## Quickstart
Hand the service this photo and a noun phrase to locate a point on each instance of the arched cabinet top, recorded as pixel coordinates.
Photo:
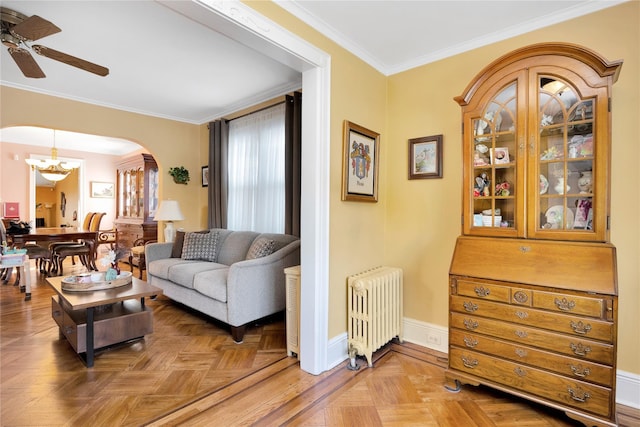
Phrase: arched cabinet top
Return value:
(529, 53)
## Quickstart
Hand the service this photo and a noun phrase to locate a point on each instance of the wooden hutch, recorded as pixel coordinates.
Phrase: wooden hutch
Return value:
(137, 201)
(533, 303)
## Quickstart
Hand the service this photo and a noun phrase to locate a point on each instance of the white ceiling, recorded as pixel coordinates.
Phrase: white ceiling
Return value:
(171, 64)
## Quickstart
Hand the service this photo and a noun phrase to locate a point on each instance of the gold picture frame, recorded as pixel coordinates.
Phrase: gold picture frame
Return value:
(425, 157)
(360, 163)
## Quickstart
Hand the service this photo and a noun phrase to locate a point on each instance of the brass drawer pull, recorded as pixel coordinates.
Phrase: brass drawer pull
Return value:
(578, 371)
(469, 306)
(564, 304)
(520, 372)
(521, 352)
(469, 363)
(579, 349)
(470, 342)
(521, 314)
(578, 395)
(470, 324)
(521, 334)
(580, 328)
(482, 291)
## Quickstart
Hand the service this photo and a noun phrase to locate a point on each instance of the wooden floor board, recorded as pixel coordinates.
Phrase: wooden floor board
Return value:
(189, 372)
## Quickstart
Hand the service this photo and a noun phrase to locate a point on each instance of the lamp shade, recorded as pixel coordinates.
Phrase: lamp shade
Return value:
(169, 210)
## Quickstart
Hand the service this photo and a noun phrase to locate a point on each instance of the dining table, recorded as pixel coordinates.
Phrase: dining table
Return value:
(60, 234)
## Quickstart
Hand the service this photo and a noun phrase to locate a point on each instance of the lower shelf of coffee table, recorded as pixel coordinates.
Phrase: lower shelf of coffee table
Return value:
(113, 323)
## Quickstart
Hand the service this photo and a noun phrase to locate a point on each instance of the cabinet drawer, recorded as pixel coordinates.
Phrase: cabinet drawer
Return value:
(563, 365)
(574, 325)
(574, 304)
(484, 290)
(580, 348)
(577, 394)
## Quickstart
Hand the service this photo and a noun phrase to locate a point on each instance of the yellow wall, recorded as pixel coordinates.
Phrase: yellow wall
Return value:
(421, 238)
(415, 223)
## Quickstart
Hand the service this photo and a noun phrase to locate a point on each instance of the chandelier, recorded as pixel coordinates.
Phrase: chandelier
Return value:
(52, 169)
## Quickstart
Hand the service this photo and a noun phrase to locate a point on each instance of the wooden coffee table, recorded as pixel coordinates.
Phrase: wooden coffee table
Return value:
(94, 319)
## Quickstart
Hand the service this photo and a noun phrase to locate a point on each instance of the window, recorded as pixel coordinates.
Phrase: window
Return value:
(256, 175)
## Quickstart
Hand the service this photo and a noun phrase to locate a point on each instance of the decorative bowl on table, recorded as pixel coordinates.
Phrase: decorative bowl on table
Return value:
(94, 281)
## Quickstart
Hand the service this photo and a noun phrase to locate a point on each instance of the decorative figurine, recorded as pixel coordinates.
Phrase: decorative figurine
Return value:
(584, 182)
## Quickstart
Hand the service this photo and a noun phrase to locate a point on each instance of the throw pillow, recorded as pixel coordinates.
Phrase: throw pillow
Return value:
(198, 246)
(178, 243)
(261, 247)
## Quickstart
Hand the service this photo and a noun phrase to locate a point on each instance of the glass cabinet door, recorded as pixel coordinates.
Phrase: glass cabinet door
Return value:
(152, 191)
(537, 145)
(495, 180)
(565, 123)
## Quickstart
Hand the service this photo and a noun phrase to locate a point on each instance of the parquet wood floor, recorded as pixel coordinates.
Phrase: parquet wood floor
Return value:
(44, 383)
(404, 388)
(190, 373)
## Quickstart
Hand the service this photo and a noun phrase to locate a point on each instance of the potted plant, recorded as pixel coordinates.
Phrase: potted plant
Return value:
(180, 175)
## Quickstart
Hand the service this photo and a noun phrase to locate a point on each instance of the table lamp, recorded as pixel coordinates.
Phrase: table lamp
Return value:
(169, 211)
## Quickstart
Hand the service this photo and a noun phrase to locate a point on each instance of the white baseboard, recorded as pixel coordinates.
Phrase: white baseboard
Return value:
(436, 337)
(337, 350)
(427, 335)
(628, 389)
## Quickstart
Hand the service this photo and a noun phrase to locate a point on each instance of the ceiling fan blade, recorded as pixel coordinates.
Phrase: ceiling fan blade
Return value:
(26, 63)
(71, 60)
(34, 28)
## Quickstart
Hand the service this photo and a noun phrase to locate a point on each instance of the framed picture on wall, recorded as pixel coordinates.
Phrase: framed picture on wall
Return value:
(205, 176)
(102, 189)
(425, 157)
(11, 210)
(360, 163)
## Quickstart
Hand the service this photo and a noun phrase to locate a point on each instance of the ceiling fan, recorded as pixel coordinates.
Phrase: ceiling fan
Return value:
(17, 30)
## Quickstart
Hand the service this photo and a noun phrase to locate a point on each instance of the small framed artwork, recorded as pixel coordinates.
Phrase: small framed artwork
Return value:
(11, 210)
(425, 157)
(205, 176)
(360, 163)
(102, 189)
(500, 155)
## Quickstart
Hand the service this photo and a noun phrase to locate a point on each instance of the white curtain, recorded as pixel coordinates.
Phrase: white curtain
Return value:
(256, 171)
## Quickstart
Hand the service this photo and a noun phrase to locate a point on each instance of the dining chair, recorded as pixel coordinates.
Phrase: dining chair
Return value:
(59, 252)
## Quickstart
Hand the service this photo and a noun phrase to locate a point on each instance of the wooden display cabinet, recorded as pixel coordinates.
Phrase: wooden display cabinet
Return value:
(536, 128)
(137, 201)
(533, 291)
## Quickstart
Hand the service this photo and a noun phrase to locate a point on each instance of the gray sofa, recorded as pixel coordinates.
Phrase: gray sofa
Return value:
(236, 277)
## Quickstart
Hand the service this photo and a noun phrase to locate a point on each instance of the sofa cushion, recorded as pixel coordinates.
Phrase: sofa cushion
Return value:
(160, 267)
(199, 246)
(261, 247)
(235, 246)
(184, 274)
(176, 250)
(212, 283)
